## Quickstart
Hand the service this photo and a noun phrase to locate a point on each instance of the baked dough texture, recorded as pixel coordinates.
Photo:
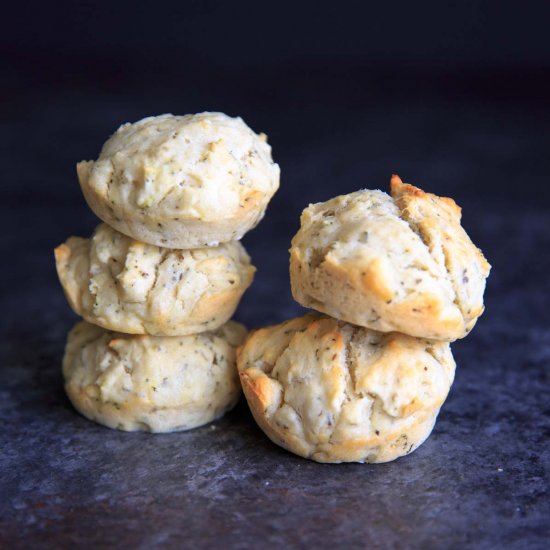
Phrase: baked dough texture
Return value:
(334, 392)
(390, 263)
(152, 383)
(128, 286)
(182, 181)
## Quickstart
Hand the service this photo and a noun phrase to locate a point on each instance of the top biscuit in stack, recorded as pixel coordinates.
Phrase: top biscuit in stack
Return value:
(182, 181)
(390, 263)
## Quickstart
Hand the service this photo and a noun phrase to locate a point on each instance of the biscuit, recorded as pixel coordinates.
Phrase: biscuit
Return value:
(334, 392)
(182, 181)
(401, 263)
(152, 383)
(128, 286)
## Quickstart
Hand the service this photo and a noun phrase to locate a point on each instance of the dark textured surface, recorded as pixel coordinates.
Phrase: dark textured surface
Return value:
(480, 481)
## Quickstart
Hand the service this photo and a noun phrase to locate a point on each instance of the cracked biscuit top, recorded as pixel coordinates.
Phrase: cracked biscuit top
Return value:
(125, 285)
(182, 181)
(334, 392)
(152, 383)
(390, 263)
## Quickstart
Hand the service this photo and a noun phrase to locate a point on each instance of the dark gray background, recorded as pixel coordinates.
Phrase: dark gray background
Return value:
(453, 96)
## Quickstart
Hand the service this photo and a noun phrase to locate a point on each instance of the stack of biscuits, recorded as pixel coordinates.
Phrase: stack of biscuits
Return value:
(396, 278)
(159, 280)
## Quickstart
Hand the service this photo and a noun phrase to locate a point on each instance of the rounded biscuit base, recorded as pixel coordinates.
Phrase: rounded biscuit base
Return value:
(334, 392)
(128, 286)
(182, 181)
(152, 383)
(401, 263)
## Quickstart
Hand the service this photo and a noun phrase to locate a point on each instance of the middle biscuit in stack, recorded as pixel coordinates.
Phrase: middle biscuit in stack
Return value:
(128, 286)
(193, 184)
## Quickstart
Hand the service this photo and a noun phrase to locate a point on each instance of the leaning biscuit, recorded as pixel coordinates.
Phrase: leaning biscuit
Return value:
(182, 181)
(334, 392)
(152, 383)
(401, 263)
(128, 286)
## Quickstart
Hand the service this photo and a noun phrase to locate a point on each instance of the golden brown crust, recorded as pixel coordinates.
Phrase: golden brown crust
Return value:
(404, 191)
(333, 392)
(437, 222)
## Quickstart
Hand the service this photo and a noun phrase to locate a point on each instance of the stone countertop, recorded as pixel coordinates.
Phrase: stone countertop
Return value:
(480, 481)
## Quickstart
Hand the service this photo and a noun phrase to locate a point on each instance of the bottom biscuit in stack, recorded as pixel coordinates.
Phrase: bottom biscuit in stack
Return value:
(335, 392)
(152, 383)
